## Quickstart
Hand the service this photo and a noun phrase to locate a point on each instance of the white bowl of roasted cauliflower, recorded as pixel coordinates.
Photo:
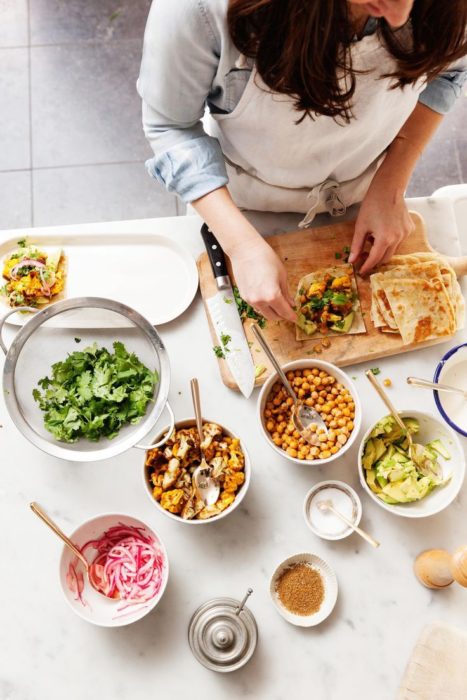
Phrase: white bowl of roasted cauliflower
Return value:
(168, 472)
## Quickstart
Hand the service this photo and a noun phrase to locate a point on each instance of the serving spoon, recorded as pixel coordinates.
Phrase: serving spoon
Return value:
(35, 507)
(206, 486)
(302, 415)
(416, 451)
(425, 384)
(327, 506)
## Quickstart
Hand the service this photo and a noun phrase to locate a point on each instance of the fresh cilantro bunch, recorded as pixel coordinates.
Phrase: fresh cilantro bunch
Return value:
(94, 393)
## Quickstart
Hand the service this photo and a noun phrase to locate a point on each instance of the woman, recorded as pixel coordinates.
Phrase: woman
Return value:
(314, 105)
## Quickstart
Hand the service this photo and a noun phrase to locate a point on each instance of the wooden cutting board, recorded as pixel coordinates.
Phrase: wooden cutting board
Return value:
(305, 251)
(437, 668)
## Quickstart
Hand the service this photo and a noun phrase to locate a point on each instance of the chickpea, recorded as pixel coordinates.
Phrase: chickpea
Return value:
(342, 439)
(290, 375)
(306, 386)
(270, 426)
(334, 450)
(289, 401)
(350, 425)
(291, 452)
(298, 381)
(325, 454)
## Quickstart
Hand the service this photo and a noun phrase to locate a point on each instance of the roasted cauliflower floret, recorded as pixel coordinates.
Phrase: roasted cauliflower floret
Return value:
(172, 500)
(210, 431)
(171, 475)
(233, 481)
(157, 492)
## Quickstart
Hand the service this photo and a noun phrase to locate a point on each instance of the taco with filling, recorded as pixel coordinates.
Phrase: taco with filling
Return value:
(327, 304)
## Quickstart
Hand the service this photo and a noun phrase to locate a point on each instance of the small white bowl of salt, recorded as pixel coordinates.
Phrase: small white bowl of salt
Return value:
(322, 520)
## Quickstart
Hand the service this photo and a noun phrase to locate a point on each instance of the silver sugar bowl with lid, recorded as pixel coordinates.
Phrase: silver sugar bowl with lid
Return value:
(223, 634)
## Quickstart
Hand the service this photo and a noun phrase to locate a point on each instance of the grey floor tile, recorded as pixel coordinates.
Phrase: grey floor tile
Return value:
(63, 21)
(14, 110)
(85, 108)
(444, 161)
(15, 199)
(13, 23)
(98, 193)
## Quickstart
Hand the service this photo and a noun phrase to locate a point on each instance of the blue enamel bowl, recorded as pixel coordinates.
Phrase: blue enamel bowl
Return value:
(456, 356)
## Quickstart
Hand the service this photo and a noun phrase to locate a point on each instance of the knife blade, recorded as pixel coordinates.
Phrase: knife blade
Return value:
(222, 309)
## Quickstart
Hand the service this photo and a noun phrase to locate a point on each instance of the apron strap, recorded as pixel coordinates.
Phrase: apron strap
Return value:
(329, 191)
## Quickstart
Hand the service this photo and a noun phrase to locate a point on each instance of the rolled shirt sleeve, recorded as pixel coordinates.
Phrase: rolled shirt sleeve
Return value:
(441, 93)
(180, 59)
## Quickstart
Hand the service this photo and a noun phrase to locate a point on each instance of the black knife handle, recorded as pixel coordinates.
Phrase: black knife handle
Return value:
(215, 252)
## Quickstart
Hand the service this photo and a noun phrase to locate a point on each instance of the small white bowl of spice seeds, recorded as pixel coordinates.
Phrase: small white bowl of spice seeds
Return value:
(304, 589)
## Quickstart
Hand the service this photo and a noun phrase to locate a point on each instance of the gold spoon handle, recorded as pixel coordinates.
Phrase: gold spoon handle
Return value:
(35, 507)
(354, 527)
(197, 406)
(387, 401)
(265, 345)
(425, 384)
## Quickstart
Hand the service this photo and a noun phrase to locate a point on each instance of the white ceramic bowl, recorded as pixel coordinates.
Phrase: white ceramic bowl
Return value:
(431, 428)
(188, 423)
(97, 609)
(354, 499)
(330, 590)
(330, 369)
(452, 370)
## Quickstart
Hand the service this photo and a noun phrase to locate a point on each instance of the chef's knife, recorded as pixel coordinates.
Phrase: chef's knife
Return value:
(224, 315)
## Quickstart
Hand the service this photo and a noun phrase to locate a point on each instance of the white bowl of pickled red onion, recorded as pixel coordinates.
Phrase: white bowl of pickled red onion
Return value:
(129, 562)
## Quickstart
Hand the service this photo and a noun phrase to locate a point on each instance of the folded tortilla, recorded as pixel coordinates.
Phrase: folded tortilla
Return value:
(421, 309)
(358, 324)
(381, 312)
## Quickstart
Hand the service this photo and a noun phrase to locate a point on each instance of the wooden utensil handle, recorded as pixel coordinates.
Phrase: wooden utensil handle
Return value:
(354, 527)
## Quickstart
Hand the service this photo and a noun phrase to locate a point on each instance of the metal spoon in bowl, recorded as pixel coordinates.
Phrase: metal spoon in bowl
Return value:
(206, 486)
(302, 415)
(425, 384)
(35, 507)
(328, 507)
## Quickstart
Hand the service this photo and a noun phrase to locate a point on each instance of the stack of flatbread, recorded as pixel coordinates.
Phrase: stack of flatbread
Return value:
(418, 296)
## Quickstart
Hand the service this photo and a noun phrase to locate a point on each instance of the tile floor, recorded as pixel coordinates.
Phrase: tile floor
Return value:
(71, 145)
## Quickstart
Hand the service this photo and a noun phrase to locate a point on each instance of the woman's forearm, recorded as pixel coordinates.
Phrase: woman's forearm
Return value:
(404, 152)
(260, 275)
(224, 218)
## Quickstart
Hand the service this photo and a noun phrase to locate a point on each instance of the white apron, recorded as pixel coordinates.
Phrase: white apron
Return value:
(318, 165)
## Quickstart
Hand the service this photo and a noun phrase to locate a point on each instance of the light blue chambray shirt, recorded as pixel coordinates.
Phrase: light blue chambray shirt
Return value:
(188, 64)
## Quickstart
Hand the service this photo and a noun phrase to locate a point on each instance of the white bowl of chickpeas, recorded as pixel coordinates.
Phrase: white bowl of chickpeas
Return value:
(330, 392)
(172, 493)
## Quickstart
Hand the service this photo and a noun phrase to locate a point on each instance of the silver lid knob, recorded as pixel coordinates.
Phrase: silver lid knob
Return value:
(223, 634)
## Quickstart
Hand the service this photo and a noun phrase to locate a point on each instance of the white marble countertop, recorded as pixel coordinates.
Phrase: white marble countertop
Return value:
(359, 653)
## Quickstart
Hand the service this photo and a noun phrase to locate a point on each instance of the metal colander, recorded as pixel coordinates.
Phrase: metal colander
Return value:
(46, 339)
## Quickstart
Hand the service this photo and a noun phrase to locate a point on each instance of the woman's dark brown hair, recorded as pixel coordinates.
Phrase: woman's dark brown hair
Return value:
(301, 47)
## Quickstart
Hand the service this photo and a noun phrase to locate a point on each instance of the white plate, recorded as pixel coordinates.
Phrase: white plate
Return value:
(330, 590)
(151, 273)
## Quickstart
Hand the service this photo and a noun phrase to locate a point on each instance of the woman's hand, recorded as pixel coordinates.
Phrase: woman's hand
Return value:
(262, 280)
(383, 218)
